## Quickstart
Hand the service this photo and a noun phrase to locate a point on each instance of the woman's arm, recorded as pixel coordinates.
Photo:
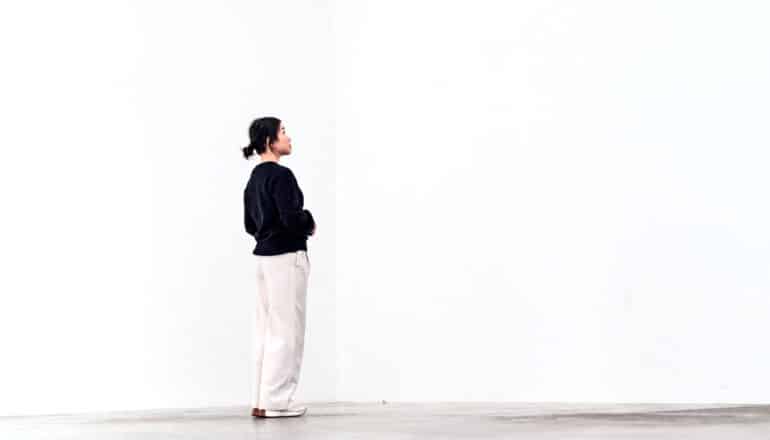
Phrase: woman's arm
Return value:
(290, 211)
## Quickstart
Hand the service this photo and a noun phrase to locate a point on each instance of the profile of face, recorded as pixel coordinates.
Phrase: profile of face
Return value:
(282, 145)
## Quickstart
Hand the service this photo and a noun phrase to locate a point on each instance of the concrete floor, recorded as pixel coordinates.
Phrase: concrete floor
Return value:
(374, 421)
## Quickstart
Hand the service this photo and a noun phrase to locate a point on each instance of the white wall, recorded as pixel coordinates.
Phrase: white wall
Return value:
(553, 201)
(535, 201)
(128, 280)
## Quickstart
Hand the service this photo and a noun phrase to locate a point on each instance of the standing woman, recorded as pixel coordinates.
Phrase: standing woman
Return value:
(274, 216)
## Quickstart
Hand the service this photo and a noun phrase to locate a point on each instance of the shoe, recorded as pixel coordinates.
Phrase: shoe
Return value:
(257, 412)
(294, 411)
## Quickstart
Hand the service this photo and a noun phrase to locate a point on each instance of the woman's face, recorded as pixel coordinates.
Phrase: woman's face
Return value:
(282, 145)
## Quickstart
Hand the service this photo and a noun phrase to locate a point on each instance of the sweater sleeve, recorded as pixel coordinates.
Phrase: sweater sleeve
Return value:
(287, 201)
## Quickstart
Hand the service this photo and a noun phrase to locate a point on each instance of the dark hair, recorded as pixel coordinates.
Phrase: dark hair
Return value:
(262, 130)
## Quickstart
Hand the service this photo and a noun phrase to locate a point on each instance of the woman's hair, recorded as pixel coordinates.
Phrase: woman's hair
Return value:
(262, 130)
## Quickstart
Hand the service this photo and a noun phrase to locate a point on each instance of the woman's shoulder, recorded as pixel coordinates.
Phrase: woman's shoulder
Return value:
(283, 169)
(271, 167)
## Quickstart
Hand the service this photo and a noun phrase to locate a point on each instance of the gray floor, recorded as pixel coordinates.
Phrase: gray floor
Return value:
(387, 420)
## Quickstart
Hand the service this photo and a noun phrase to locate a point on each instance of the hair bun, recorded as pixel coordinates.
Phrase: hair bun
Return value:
(248, 151)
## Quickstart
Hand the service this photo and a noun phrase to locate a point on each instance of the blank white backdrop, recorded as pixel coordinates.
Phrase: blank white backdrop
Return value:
(553, 201)
(529, 201)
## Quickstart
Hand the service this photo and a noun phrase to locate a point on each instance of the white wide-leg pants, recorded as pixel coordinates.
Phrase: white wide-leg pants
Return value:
(280, 328)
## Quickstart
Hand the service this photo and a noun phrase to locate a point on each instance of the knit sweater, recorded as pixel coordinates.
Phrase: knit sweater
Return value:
(273, 210)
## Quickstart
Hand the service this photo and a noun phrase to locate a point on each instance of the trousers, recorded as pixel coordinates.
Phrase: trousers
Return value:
(279, 330)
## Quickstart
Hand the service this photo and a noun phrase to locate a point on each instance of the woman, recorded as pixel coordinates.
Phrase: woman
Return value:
(274, 216)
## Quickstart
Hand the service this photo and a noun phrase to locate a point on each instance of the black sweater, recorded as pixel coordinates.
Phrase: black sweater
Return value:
(273, 212)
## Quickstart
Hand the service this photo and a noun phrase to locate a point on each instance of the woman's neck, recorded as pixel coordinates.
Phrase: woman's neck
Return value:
(269, 157)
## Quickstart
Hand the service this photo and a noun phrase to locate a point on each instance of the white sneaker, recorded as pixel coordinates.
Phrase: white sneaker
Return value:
(293, 411)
